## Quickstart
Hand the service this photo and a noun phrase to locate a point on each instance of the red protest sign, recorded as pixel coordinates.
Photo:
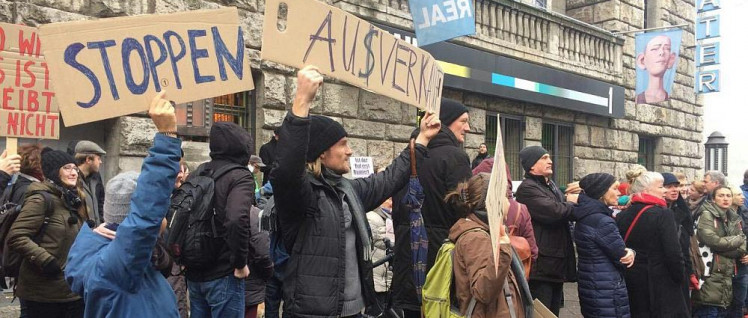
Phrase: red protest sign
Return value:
(28, 108)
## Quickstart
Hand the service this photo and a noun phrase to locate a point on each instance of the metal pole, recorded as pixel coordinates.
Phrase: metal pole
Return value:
(679, 26)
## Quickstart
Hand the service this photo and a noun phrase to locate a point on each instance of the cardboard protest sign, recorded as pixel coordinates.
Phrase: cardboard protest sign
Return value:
(497, 204)
(361, 167)
(112, 67)
(352, 50)
(29, 107)
(441, 20)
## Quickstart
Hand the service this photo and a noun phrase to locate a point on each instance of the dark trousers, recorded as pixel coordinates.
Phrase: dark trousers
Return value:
(411, 314)
(33, 309)
(273, 297)
(250, 311)
(550, 294)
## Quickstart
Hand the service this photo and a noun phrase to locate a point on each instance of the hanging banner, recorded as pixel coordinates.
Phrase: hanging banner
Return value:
(352, 50)
(657, 56)
(439, 20)
(29, 108)
(113, 67)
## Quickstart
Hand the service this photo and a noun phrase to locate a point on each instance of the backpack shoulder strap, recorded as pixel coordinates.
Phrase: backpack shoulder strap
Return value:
(633, 223)
(48, 211)
(477, 229)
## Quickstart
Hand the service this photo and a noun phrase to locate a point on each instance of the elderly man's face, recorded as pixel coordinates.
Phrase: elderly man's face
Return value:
(657, 57)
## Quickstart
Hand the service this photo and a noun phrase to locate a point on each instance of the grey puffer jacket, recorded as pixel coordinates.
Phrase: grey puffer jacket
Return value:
(312, 222)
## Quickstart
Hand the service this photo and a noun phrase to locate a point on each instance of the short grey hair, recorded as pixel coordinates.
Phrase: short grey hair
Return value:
(645, 180)
(718, 176)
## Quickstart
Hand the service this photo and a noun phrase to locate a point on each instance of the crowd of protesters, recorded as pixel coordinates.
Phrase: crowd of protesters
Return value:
(299, 239)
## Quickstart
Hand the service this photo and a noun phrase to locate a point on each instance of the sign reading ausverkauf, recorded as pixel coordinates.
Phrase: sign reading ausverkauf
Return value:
(112, 67)
(29, 108)
(351, 50)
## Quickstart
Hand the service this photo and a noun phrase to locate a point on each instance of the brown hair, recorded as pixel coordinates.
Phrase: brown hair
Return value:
(681, 177)
(31, 160)
(469, 196)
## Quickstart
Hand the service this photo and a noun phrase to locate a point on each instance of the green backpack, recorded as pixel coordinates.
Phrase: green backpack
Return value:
(436, 293)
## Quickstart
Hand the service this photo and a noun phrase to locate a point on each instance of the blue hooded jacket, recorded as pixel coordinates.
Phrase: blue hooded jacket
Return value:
(115, 277)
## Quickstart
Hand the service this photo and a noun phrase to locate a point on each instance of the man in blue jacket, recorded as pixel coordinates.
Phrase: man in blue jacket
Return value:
(115, 276)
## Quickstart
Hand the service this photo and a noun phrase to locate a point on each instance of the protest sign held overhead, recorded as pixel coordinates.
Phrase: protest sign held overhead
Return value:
(113, 67)
(352, 50)
(29, 108)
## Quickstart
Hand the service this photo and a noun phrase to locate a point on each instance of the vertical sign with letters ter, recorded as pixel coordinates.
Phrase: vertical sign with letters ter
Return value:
(29, 107)
(113, 67)
(707, 47)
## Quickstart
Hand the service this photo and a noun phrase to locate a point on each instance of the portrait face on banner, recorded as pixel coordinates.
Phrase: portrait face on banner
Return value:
(656, 57)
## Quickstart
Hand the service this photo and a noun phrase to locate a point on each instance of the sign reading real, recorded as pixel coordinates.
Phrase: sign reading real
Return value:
(29, 107)
(707, 48)
(440, 20)
(113, 67)
(350, 49)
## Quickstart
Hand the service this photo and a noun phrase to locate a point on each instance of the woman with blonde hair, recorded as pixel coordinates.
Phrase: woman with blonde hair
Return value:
(474, 274)
(648, 227)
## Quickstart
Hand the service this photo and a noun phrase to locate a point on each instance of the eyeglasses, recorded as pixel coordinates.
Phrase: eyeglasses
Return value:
(70, 168)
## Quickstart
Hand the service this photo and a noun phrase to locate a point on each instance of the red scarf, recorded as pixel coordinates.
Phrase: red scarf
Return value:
(648, 199)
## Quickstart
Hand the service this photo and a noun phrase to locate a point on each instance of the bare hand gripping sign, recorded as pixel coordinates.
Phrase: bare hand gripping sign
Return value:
(352, 50)
(113, 67)
(29, 107)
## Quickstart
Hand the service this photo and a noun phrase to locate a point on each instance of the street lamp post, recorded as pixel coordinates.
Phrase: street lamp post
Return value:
(716, 152)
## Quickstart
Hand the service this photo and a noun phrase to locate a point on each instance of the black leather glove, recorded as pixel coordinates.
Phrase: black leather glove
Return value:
(52, 268)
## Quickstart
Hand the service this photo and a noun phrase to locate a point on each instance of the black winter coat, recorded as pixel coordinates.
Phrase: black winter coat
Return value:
(654, 282)
(602, 289)
(684, 226)
(550, 219)
(234, 195)
(312, 223)
(258, 259)
(446, 166)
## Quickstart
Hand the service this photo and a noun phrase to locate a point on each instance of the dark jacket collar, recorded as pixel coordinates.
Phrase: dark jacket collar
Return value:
(587, 206)
(445, 137)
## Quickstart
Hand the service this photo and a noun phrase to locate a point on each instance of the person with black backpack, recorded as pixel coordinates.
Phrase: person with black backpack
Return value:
(209, 230)
(42, 234)
(322, 215)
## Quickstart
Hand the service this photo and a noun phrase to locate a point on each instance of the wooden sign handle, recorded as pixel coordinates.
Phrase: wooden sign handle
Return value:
(11, 145)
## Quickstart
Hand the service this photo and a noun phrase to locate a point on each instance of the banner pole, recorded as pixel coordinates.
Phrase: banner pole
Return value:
(11, 145)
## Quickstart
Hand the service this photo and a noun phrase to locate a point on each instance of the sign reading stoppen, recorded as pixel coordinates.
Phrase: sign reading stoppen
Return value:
(29, 107)
(352, 50)
(113, 67)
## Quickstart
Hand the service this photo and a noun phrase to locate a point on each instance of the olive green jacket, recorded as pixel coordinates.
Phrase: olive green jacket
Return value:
(58, 237)
(721, 231)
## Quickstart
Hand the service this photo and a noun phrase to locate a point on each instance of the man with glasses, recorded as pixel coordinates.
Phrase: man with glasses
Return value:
(88, 157)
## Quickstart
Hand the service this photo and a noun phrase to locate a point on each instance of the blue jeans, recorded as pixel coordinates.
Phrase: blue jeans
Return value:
(710, 312)
(219, 298)
(273, 297)
(739, 291)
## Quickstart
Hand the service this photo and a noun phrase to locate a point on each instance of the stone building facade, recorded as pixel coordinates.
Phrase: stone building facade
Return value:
(571, 36)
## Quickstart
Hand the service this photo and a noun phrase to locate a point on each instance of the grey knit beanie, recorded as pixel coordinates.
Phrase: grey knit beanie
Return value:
(117, 196)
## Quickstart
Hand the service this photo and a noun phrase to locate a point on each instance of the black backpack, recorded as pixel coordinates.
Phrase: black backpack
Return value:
(9, 211)
(193, 238)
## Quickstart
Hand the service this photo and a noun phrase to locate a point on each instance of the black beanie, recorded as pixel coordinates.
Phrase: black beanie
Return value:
(596, 184)
(530, 155)
(323, 133)
(52, 161)
(450, 110)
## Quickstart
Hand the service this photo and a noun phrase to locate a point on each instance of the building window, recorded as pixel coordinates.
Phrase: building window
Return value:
(195, 118)
(558, 139)
(512, 132)
(646, 153)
